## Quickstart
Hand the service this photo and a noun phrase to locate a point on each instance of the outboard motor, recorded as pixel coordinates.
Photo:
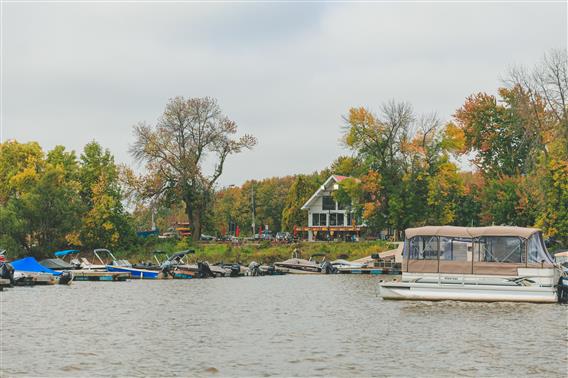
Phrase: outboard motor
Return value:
(235, 270)
(7, 272)
(65, 278)
(204, 270)
(167, 269)
(254, 269)
(562, 290)
(327, 268)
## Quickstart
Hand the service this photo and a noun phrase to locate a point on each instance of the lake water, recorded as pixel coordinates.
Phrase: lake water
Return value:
(262, 326)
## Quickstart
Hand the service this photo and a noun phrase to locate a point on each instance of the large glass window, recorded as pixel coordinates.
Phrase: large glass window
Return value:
(333, 219)
(328, 203)
(319, 219)
(423, 248)
(340, 220)
(315, 219)
(506, 249)
(349, 217)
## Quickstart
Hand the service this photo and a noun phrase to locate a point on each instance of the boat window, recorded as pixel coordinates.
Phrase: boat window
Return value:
(505, 249)
(458, 249)
(424, 248)
(536, 251)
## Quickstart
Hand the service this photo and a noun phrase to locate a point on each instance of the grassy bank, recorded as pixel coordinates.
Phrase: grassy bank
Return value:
(263, 252)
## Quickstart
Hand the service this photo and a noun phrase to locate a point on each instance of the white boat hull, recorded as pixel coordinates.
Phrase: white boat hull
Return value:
(467, 292)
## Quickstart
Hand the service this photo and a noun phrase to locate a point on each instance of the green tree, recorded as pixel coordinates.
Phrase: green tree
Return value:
(105, 222)
(300, 191)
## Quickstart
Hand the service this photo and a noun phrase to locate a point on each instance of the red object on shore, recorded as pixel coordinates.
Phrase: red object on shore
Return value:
(237, 231)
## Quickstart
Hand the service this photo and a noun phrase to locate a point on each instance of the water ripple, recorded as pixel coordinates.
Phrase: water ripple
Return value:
(271, 326)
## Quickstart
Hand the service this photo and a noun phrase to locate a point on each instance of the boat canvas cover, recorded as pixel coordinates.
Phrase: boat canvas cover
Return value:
(66, 252)
(57, 264)
(470, 232)
(30, 264)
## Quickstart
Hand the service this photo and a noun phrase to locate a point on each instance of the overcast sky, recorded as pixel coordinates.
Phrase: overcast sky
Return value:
(284, 72)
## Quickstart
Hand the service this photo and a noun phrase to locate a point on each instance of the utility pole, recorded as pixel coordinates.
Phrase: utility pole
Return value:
(252, 204)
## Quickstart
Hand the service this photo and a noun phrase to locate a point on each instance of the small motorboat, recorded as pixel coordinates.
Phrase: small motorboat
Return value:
(28, 271)
(344, 264)
(256, 269)
(296, 265)
(6, 271)
(124, 266)
(172, 266)
(82, 271)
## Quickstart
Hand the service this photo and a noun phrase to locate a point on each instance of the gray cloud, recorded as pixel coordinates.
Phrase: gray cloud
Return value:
(284, 72)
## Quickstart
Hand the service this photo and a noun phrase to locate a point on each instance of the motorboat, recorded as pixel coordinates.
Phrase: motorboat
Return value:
(256, 269)
(6, 271)
(28, 271)
(344, 264)
(486, 264)
(202, 269)
(82, 271)
(296, 265)
(171, 266)
(124, 266)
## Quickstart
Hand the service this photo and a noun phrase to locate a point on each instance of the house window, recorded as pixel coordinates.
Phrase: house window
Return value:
(319, 219)
(315, 220)
(349, 216)
(340, 219)
(333, 219)
(328, 203)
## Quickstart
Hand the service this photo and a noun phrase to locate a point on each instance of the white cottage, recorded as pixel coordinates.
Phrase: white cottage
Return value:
(327, 219)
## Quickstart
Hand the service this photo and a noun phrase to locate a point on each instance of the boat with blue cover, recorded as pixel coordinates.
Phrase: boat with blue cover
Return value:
(29, 271)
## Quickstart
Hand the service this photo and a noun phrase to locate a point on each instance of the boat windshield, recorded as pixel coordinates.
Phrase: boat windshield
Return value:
(537, 252)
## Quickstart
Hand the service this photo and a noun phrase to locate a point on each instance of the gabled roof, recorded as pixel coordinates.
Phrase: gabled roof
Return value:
(336, 178)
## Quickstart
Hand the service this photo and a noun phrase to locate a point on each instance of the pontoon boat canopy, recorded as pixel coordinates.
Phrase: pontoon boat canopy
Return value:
(470, 232)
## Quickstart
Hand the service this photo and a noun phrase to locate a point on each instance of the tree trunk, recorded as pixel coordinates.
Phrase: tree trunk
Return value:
(189, 213)
(196, 230)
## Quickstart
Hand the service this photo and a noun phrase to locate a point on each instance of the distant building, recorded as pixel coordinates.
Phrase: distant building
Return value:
(327, 219)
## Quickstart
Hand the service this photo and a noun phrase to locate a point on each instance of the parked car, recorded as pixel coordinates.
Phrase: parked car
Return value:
(284, 236)
(265, 235)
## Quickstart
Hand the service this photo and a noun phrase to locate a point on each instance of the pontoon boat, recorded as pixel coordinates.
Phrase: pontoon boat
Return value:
(486, 264)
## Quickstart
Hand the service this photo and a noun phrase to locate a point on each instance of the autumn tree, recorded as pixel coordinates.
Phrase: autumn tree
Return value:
(175, 150)
(41, 205)
(300, 191)
(105, 222)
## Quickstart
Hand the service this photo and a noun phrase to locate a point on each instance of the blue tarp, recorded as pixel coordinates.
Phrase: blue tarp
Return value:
(29, 264)
(66, 252)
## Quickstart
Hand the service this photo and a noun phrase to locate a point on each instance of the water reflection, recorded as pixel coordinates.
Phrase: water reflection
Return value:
(263, 326)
